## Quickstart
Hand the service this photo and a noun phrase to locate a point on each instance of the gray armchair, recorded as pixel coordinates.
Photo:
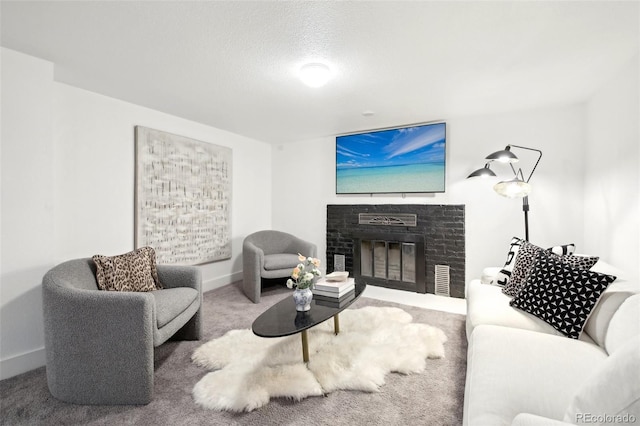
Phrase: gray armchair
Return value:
(270, 254)
(99, 344)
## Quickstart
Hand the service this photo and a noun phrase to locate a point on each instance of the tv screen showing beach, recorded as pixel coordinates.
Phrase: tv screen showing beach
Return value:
(401, 160)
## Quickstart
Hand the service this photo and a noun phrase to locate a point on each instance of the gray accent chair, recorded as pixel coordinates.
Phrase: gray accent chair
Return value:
(99, 344)
(270, 254)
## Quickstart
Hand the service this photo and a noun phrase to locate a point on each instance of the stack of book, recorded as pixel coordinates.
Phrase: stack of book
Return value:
(334, 293)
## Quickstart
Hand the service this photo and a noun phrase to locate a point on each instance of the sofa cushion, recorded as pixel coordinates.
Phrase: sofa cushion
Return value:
(612, 391)
(486, 304)
(560, 294)
(171, 302)
(599, 320)
(273, 262)
(133, 271)
(511, 371)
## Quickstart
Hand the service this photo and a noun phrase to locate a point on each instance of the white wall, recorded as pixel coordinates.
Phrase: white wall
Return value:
(68, 188)
(612, 181)
(94, 177)
(304, 183)
(27, 208)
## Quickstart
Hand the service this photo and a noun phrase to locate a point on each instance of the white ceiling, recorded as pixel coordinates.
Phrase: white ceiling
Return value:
(233, 65)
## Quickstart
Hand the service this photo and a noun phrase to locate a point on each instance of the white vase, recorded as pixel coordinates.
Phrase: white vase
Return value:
(302, 298)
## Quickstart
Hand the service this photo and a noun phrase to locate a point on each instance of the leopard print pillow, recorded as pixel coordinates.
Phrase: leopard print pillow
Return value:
(133, 271)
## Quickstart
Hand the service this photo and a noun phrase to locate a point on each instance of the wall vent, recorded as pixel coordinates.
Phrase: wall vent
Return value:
(442, 280)
(338, 262)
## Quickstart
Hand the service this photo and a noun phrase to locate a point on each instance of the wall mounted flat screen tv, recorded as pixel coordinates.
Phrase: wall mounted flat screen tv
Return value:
(400, 160)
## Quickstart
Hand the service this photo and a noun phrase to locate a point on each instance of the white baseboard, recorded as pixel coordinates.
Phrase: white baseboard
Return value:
(221, 281)
(22, 363)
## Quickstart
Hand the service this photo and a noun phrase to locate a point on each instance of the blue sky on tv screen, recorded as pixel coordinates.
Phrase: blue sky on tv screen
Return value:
(395, 147)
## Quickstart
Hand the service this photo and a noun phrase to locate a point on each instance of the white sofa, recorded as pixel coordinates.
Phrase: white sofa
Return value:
(521, 371)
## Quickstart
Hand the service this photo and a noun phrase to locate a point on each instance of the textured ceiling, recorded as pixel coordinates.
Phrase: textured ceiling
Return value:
(233, 65)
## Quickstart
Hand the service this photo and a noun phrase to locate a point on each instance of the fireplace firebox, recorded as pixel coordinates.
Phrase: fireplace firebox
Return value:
(390, 260)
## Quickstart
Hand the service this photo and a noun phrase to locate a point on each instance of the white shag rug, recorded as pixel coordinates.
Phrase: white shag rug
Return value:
(372, 342)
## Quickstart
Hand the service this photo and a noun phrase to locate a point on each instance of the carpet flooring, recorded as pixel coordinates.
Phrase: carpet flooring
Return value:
(434, 397)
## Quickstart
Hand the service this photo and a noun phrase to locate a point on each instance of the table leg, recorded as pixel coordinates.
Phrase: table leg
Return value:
(305, 346)
(336, 324)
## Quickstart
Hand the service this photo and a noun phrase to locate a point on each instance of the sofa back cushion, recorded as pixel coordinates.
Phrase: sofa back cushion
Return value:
(598, 323)
(611, 393)
(274, 242)
(624, 324)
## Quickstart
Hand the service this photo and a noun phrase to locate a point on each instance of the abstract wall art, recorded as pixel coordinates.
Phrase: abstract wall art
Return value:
(182, 198)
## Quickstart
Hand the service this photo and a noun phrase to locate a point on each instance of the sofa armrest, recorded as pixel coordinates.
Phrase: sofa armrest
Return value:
(252, 264)
(90, 335)
(526, 419)
(252, 253)
(172, 276)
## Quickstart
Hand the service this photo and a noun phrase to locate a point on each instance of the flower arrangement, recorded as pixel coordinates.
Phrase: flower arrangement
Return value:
(302, 275)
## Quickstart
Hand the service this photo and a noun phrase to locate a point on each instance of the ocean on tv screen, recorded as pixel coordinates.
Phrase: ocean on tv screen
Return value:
(389, 179)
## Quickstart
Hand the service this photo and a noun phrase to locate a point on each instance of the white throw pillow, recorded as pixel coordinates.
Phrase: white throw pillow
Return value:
(489, 275)
(612, 394)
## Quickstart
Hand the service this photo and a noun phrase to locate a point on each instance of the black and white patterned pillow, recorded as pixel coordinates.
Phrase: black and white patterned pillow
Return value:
(561, 295)
(582, 262)
(528, 255)
(502, 278)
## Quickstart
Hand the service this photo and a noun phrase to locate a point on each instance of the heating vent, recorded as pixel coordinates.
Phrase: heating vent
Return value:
(442, 280)
(338, 262)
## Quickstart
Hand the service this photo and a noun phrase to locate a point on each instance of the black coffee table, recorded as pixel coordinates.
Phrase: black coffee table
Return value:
(282, 319)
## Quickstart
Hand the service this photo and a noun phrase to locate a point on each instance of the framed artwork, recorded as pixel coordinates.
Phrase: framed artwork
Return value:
(182, 198)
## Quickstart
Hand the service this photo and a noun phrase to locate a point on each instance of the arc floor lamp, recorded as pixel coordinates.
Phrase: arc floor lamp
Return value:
(518, 186)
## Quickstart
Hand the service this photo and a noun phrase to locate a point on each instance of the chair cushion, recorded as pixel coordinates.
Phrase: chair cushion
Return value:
(171, 302)
(133, 271)
(280, 261)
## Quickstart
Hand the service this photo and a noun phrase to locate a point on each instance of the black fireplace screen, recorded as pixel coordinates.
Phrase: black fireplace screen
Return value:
(391, 262)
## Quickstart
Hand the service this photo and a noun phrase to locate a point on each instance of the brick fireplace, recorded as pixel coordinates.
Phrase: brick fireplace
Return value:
(399, 245)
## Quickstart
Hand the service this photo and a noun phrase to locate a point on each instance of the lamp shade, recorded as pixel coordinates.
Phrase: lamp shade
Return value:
(503, 156)
(483, 172)
(514, 188)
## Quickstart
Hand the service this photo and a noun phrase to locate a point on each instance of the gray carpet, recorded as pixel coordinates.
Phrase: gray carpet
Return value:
(432, 398)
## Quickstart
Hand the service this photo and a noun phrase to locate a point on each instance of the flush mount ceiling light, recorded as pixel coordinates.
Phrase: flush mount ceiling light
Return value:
(315, 74)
